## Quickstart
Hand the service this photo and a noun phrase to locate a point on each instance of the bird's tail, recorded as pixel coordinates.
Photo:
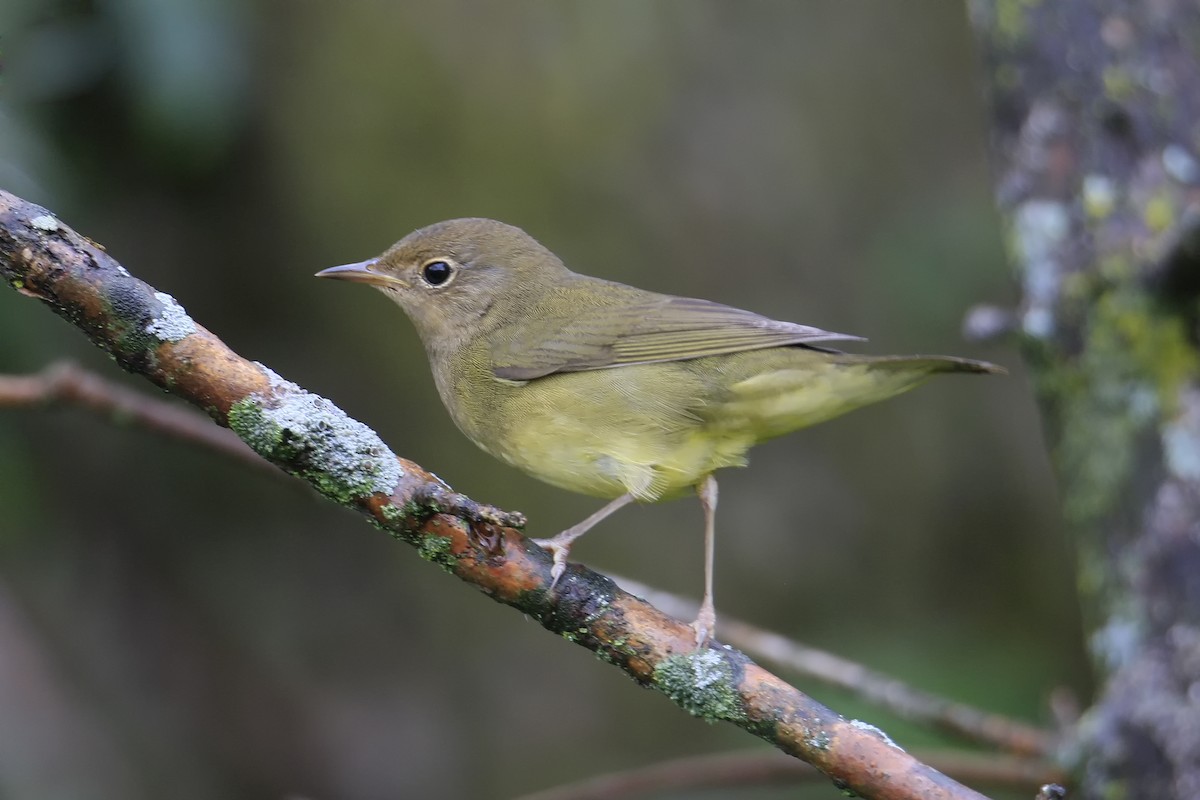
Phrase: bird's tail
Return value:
(775, 402)
(922, 364)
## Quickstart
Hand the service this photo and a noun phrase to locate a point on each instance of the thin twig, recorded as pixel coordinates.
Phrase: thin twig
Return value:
(761, 769)
(67, 383)
(971, 723)
(149, 333)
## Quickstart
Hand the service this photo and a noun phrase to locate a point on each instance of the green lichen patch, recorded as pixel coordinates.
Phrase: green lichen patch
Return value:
(248, 420)
(438, 550)
(1119, 83)
(1135, 362)
(1012, 24)
(394, 521)
(620, 649)
(1158, 343)
(311, 437)
(403, 522)
(703, 683)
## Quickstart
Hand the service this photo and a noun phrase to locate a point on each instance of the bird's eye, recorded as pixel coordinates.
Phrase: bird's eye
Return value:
(436, 273)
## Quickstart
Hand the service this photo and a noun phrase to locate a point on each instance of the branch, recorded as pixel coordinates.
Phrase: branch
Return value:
(894, 695)
(744, 770)
(67, 383)
(150, 334)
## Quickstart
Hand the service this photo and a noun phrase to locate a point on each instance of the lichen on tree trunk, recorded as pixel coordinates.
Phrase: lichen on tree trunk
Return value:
(1096, 123)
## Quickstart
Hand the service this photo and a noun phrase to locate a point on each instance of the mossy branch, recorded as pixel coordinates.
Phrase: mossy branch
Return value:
(150, 334)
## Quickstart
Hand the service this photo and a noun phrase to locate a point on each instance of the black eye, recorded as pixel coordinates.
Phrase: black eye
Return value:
(437, 272)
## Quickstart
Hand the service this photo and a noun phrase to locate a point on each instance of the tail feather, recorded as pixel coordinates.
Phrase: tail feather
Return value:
(928, 364)
(779, 401)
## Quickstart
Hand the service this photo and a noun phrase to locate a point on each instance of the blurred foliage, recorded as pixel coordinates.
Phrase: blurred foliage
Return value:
(172, 626)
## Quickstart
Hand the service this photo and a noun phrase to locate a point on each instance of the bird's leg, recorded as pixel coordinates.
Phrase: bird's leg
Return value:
(560, 545)
(706, 620)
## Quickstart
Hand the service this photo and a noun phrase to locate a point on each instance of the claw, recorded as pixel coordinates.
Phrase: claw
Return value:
(703, 626)
(558, 552)
(560, 545)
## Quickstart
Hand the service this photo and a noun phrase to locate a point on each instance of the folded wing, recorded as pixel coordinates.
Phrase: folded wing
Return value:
(652, 328)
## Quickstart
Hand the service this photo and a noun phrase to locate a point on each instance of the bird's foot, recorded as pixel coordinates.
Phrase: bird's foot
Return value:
(703, 627)
(558, 551)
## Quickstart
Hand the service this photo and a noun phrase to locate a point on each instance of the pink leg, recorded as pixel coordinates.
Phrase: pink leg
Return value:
(560, 545)
(706, 620)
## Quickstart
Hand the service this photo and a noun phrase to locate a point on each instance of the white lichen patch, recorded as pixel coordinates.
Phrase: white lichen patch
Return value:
(173, 324)
(869, 728)
(1180, 164)
(702, 683)
(817, 739)
(1181, 441)
(1099, 195)
(1116, 643)
(307, 433)
(1143, 404)
(1040, 229)
(602, 602)
(45, 223)
(708, 667)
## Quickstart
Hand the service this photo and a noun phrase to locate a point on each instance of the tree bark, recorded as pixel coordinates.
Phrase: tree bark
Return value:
(1095, 110)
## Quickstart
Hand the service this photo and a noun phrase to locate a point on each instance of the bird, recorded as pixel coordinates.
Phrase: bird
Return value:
(609, 390)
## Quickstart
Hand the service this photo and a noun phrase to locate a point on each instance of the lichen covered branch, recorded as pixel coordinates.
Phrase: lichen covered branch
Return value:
(970, 723)
(150, 334)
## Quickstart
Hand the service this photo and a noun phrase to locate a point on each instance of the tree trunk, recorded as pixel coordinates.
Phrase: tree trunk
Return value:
(1096, 119)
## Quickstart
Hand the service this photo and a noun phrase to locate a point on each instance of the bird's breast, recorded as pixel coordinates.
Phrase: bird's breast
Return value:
(602, 432)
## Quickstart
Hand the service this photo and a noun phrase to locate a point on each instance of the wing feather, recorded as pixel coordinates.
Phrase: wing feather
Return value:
(652, 328)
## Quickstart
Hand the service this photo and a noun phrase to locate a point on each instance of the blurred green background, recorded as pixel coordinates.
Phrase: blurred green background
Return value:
(175, 625)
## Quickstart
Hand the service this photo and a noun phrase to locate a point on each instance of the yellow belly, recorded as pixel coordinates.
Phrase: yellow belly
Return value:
(657, 430)
(650, 468)
(599, 433)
